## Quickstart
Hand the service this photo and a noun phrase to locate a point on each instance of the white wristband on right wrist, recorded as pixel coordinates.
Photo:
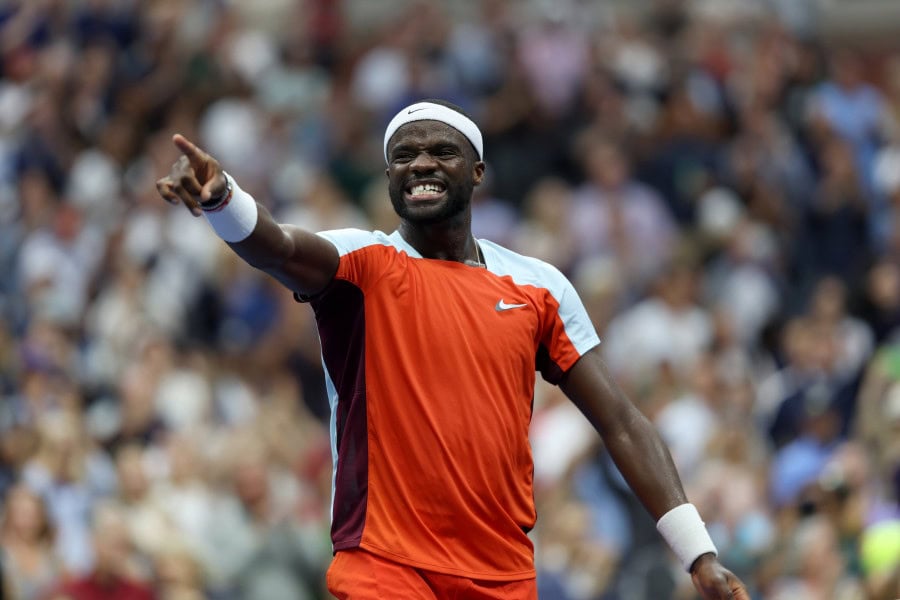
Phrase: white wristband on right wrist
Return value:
(234, 219)
(686, 534)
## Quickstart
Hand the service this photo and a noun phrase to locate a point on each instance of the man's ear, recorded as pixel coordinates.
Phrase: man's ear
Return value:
(479, 172)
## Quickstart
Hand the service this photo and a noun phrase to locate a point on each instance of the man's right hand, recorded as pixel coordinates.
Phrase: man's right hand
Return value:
(195, 177)
(303, 261)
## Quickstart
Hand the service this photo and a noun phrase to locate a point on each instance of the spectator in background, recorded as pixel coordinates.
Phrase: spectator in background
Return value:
(764, 155)
(255, 546)
(800, 462)
(17, 444)
(852, 337)
(616, 216)
(29, 560)
(149, 528)
(668, 330)
(117, 572)
(681, 156)
(544, 229)
(554, 54)
(57, 265)
(133, 410)
(70, 476)
(880, 304)
(815, 566)
(179, 574)
(876, 424)
(853, 109)
(186, 496)
(690, 420)
(742, 272)
(837, 218)
(805, 356)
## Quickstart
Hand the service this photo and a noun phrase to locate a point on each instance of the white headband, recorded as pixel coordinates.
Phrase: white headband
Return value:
(428, 111)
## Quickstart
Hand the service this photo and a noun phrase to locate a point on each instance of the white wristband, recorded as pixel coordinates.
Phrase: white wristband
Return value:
(235, 218)
(686, 534)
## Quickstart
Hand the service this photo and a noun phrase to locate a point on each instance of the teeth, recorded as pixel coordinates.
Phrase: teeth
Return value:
(425, 188)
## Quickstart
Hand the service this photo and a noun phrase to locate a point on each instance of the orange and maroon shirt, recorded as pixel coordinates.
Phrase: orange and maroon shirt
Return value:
(430, 369)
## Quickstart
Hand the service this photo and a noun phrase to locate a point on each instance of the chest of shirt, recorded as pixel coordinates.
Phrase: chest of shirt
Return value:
(436, 308)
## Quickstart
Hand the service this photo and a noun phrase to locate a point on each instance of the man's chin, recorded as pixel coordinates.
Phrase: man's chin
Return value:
(425, 213)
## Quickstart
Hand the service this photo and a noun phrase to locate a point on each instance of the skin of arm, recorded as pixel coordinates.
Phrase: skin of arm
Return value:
(302, 261)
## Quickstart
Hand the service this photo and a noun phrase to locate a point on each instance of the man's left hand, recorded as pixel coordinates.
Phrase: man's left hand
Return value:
(715, 582)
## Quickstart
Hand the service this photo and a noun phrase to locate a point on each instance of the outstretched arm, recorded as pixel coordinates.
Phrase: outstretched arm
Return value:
(644, 460)
(301, 260)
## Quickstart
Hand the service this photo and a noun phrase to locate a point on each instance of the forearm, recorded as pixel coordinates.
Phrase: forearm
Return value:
(301, 260)
(656, 483)
(632, 441)
(267, 246)
(646, 464)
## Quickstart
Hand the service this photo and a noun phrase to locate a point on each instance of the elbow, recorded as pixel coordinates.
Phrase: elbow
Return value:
(628, 425)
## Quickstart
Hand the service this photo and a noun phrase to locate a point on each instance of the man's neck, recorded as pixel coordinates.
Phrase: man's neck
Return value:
(448, 240)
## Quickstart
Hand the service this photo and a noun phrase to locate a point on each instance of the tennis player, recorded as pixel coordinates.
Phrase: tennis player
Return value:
(431, 340)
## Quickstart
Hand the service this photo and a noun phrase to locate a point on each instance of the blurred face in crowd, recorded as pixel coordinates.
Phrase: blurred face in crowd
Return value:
(829, 299)
(26, 518)
(605, 164)
(112, 543)
(847, 69)
(251, 482)
(677, 286)
(838, 163)
(132, 478)
(884, 285)
(62, 450)
(36, 198)
(817, 544)
(548, 203)
(432, 172)
(809, 346)
(179, 574)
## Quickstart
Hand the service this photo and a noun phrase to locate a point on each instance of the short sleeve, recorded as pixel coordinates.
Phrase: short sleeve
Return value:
(365, 256)
(567, 332)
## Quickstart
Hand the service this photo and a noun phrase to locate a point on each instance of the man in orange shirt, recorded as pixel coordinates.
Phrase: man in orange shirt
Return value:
(431, 341)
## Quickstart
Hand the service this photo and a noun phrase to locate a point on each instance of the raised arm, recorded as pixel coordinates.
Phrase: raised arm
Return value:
(301, 260)
(645, 462)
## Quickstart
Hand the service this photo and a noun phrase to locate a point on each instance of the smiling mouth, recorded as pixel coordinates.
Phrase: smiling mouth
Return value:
(419, 192)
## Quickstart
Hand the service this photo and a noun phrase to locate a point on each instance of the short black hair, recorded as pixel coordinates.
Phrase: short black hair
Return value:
(449, 105)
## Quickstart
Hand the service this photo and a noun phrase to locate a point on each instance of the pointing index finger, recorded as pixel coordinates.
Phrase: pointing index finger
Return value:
(195, 155)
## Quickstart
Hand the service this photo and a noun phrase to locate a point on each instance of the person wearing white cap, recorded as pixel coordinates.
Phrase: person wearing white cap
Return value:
(431, 340)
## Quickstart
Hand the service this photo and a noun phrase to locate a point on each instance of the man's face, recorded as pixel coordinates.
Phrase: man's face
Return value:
(432, 172)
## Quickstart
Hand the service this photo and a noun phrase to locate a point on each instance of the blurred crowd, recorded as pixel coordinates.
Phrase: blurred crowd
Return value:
(720, 182)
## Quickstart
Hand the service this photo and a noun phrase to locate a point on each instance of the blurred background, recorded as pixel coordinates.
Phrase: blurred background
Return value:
(719, 178)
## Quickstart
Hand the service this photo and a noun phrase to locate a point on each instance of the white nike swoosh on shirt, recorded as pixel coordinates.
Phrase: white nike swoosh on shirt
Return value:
(501, 306)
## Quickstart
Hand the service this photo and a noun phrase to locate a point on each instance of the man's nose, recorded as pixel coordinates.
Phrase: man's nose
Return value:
(423, 161)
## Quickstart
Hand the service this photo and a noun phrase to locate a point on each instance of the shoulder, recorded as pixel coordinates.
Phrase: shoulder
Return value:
(349, 240)
(524, 270)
